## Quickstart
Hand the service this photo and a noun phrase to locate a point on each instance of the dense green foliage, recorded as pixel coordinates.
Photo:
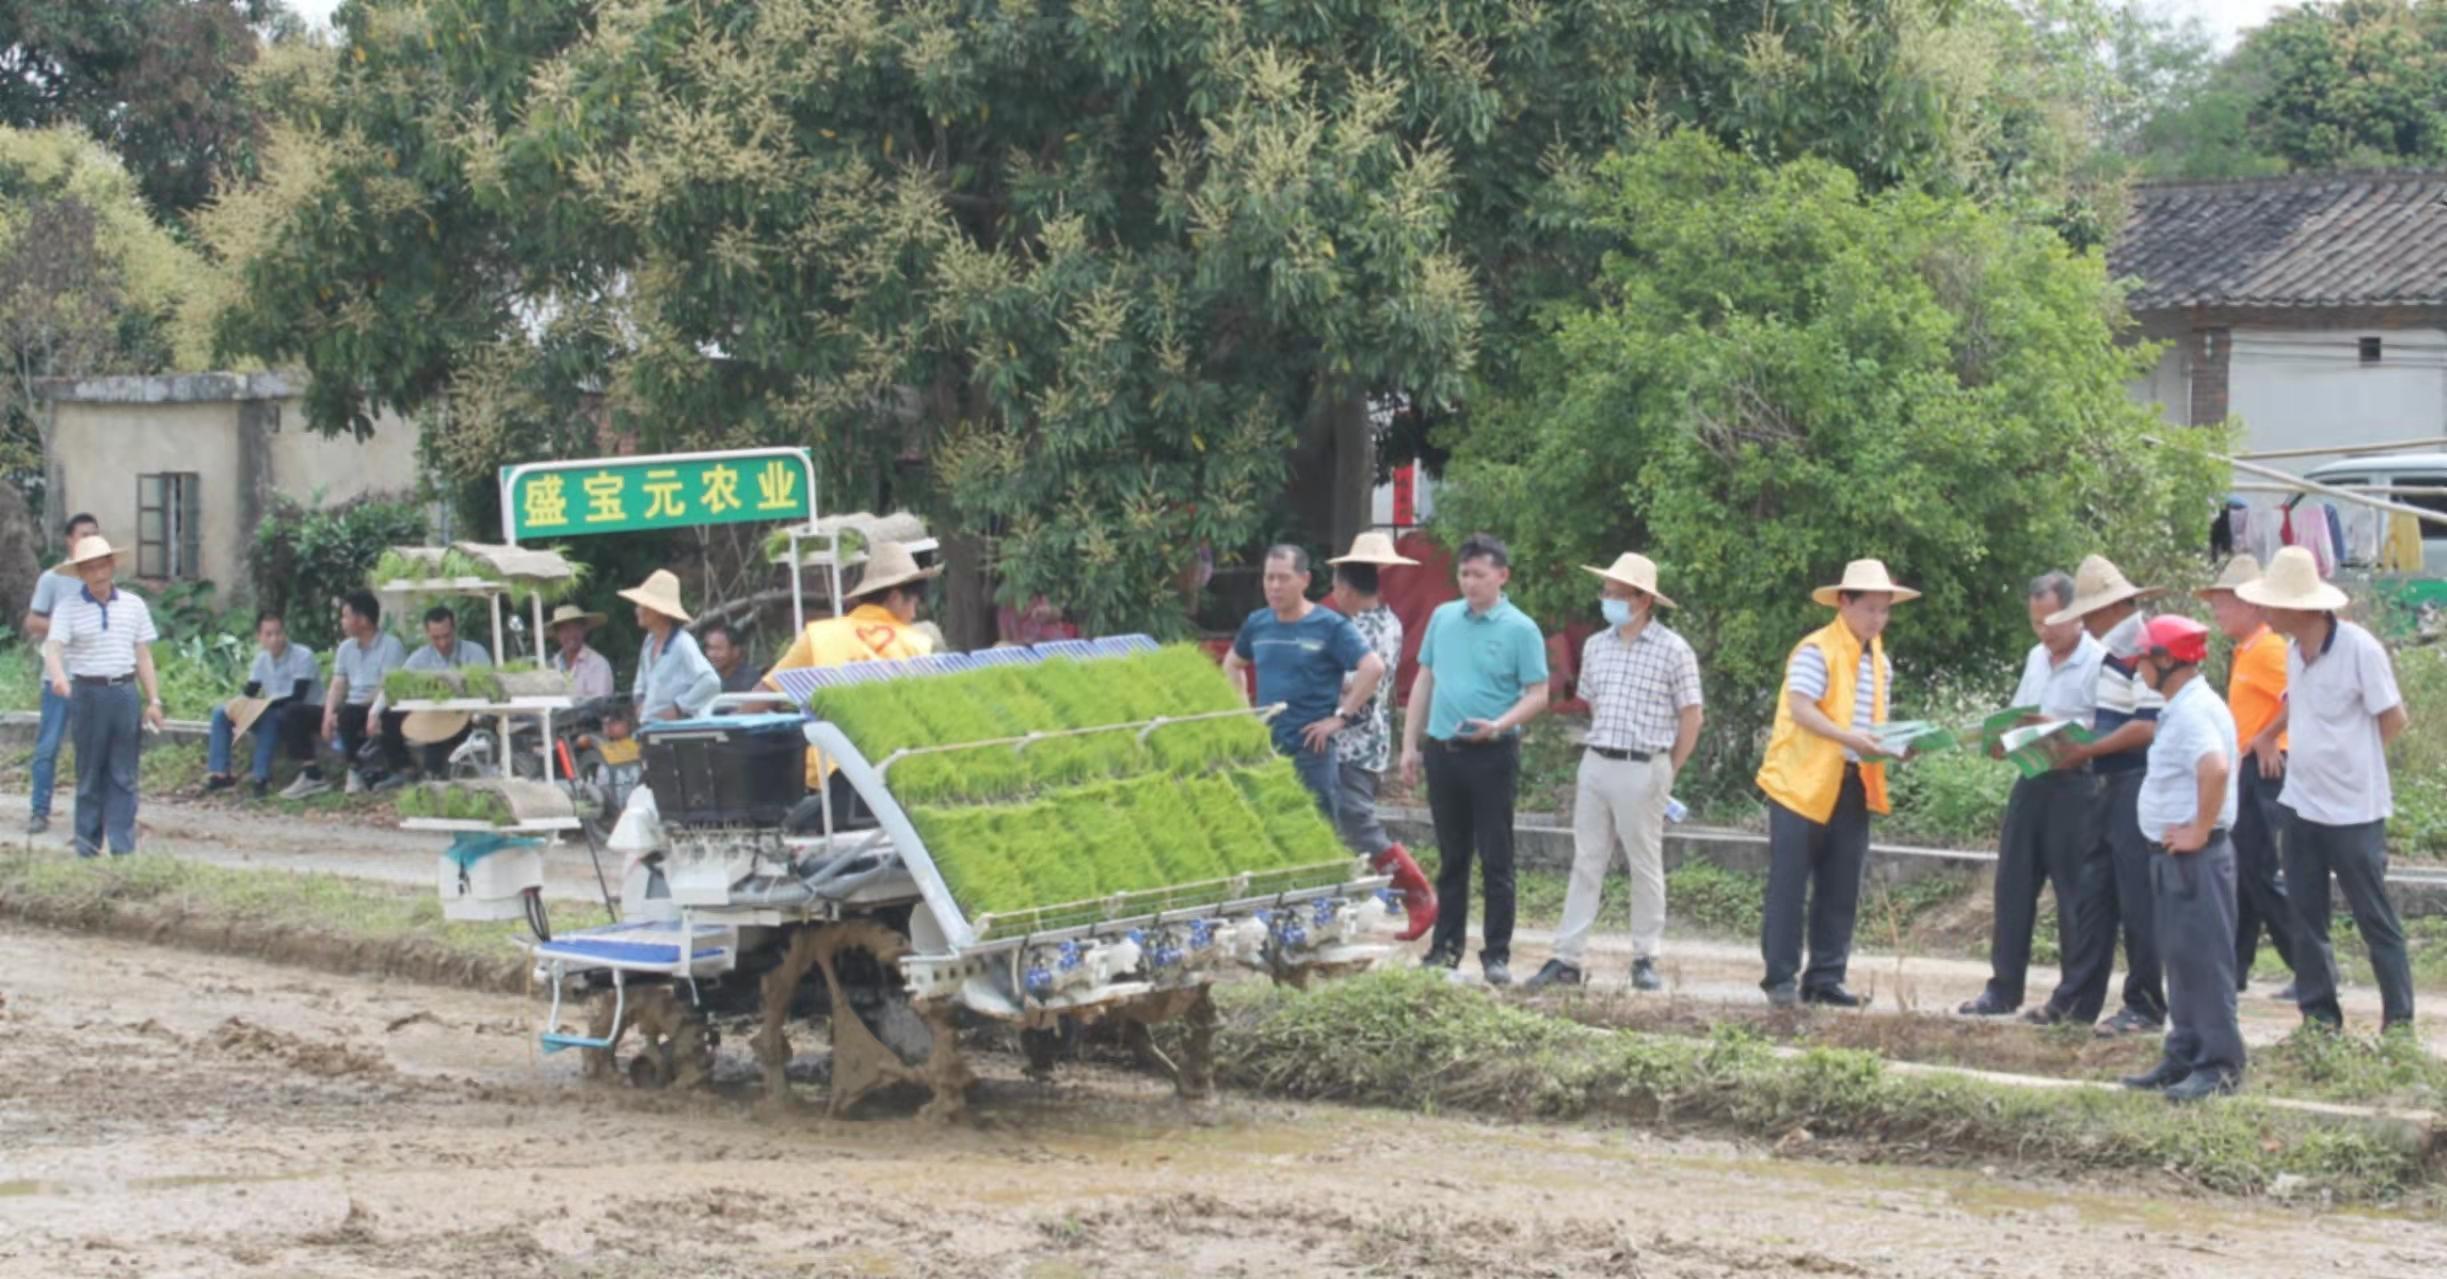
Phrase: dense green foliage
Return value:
(458, 802)
(307, 556)
(1107, 264)
(1785, 373)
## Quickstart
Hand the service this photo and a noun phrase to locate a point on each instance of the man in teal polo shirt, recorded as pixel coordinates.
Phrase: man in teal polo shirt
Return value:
(1482, 675)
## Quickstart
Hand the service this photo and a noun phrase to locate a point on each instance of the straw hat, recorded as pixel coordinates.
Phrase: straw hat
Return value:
(243, 712)
(2240, 569)
(86, 550)
(1373, 548)
(2293, 581)
(1865, 576)
(427, 728)
(660, 592)
(1634, 570)
(890, 564)
(2099, 584)
(572, 613)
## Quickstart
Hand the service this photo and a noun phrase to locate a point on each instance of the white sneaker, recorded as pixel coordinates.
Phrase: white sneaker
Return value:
(356, 782)
(305, 787)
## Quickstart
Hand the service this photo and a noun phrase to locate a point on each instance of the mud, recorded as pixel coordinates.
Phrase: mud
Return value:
(166, 1112)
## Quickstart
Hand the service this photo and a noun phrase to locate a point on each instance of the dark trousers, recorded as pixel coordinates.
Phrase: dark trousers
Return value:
(106, 723)
(2114, 891)
(353, 733)
(432, 758)
(2358, 857)
(1814, 869)
(1318, 773)
(2260, 900)
(1470, 792)
(2194, 898)
(2050, 825)
(1355, 815)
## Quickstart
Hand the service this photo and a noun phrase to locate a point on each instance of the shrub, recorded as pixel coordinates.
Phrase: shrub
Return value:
(305, 556)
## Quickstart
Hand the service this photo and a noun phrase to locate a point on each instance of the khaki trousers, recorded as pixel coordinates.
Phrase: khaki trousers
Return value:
(1618, 802)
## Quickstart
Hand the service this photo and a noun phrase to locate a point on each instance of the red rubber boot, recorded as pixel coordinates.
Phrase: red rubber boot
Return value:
(1418, 898)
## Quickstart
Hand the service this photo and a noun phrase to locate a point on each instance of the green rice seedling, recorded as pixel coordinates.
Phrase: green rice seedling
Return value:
(424, 686)
(483, 682)
(969, 848)
(1230, 824)
(954, 715)
(1289, 814)
(1075, 692)
(1110, 838)
(1174, 835)
(560, 590)
(1050, 854)
(1190, 680)
(1211, 743)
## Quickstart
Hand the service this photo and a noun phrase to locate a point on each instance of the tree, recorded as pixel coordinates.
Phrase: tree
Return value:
(156, 80)
(1116, 272)
(1787, 372)
(2358, 84)
(89, 283)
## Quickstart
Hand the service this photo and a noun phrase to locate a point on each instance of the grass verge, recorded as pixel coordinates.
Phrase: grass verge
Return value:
(323, 921)
(1416, 1041)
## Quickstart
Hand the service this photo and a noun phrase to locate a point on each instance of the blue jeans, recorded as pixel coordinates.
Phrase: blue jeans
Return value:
(46, 747)
(1319, 773)
(276, 725)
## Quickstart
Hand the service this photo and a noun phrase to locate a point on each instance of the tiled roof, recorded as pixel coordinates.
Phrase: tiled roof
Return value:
(2334, 240)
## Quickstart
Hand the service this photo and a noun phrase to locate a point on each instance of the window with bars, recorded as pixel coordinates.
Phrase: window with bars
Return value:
(169, 526)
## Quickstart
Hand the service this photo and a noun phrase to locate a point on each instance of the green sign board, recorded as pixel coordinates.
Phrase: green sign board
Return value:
(541, 501)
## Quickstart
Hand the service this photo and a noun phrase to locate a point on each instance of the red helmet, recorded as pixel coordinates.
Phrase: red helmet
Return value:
(2180, 638)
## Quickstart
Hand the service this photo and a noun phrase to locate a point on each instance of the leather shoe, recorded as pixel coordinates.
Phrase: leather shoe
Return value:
(2201, 1085)
(2129, 1022)
(1833, 997)
(1438, 958)
(2164, 1075)
(1555, 973)
(1783, 997)
(1988, 1005)
(37, 824)
(1496, 971)
(1644, 975)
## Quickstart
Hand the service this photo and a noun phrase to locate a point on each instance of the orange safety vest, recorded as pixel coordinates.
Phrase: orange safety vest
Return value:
(1803, 771)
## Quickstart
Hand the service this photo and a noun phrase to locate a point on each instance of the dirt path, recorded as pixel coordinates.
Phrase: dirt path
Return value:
(166, 1113)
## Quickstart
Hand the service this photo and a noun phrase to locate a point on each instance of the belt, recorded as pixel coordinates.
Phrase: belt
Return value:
(1609, 752)
(2215, 834)
(1465, 744)
(104, 681)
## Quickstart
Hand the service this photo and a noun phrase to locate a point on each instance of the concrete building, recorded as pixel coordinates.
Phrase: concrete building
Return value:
(181, 468)
(2312, 308)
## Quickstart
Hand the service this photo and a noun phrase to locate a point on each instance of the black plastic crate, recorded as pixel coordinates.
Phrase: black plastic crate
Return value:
(736, 769)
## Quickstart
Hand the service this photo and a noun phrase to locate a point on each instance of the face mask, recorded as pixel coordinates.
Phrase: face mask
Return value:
(2124, 639)
(1618, 612)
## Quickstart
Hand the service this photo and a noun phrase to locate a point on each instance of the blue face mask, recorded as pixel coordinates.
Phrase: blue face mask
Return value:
(1618, 612)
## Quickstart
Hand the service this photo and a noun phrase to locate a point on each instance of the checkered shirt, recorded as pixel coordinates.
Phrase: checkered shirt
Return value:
(1637, 691)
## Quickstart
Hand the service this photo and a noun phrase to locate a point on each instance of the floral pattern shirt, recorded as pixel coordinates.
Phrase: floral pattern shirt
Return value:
(1369, 743)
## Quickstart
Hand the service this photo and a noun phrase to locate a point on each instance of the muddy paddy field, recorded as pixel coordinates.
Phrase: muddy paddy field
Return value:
(164, 1112)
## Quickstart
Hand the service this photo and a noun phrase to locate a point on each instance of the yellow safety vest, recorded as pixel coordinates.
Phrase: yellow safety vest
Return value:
(1803, 771)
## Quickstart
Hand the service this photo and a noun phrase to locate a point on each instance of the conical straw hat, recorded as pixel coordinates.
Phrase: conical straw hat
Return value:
(2240, 569)
(1634, 570)
(2099, 584)
(1866, 577)
(2293, 582)
(1373, 548)
(660, 592)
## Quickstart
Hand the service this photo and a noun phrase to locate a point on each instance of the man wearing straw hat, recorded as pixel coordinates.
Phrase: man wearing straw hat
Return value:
(1364, 748)
(2115, 882)
(2186, 810)
(2342, 711)
(2255, 694)
(589, 672)
(2050, 818)
(1641, 681)
(281, 705)
(98, 654)
(1822, 783)
(881, 626)
(674, 681)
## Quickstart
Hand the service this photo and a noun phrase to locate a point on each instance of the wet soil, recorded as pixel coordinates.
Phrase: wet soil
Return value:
(167, 1112)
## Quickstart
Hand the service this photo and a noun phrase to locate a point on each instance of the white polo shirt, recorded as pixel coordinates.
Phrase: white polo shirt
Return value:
(2194, 726)
(2336, 766)
(2063, 690)
(98, 639)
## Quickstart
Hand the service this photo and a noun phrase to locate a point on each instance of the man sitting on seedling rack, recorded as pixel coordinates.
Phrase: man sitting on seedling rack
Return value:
(882, 626)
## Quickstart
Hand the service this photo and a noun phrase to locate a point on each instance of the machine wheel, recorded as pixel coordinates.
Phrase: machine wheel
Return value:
(675, 1045)
(880, 1038)
(590, 792)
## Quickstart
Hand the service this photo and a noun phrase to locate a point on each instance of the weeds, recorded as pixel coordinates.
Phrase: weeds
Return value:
(1417, 1041)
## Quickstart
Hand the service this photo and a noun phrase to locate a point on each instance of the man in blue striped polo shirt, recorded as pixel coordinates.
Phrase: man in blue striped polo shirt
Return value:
(2115, 876)
(99, 651)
